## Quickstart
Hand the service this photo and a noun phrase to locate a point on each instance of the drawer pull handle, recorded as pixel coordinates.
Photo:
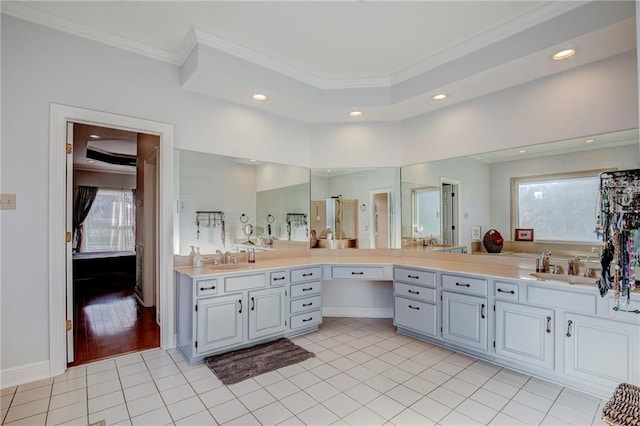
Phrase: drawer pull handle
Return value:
(357, 273)
(506, 291)
(482, 311)
(278, 278)
(310, 274)
(413, 292)
(253, 303)
(637, 311)
(240, 302)
(415, 277)
(307, 319)
(307, 304)
(569, 328)
(417, 308)
(307, 289)
(463, 285)
(548, 324)
(213, 287)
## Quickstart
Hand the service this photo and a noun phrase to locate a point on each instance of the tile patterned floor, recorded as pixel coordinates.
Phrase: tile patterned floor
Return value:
(364, 373)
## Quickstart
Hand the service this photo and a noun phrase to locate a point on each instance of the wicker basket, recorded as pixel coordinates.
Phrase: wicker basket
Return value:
(493, 241)
(623, 409)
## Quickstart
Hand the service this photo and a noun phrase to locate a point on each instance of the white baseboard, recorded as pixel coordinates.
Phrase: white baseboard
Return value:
(24, 374)
(356, 312)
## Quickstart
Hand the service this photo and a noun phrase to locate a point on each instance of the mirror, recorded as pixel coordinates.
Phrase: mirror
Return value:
(356, 207)
(484, 183)
(223, 202)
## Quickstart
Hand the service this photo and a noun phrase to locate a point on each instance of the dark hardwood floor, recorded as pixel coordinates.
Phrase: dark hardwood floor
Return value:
(109, 321)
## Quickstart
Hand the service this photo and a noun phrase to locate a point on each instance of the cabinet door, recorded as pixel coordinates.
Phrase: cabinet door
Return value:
(600, 351)
(418, 316)
(464, 320)
(267, 312)
(525, 333)
(219, 322)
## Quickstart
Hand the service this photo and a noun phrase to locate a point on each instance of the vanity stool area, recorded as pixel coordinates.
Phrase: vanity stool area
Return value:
(565, 333)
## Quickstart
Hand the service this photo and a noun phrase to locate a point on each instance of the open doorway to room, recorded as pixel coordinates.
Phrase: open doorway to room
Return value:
(449, 206)
(381, 219)
(112, 205)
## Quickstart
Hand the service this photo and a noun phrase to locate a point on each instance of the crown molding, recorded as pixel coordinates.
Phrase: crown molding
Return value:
(23, 11)
(508, 29)
(196, 36)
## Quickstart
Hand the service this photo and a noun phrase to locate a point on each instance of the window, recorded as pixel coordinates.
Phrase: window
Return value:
(558, 207)
(110, 223)
(426, 211)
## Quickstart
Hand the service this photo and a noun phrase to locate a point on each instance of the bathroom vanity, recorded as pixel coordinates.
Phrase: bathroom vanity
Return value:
(491, 308)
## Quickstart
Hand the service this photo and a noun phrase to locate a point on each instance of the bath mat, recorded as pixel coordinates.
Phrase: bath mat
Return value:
(236, 366)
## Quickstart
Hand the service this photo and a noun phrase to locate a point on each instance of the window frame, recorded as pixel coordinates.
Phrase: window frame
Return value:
(104, 189)
(515, 181)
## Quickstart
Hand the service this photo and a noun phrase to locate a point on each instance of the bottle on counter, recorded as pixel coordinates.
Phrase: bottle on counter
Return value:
(252, 256)
(197, 259)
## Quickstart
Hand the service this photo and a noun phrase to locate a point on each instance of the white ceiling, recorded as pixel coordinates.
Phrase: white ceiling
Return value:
(317, 61)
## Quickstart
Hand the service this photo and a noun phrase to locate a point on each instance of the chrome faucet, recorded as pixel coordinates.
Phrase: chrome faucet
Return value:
(433, 241)
(224, 256)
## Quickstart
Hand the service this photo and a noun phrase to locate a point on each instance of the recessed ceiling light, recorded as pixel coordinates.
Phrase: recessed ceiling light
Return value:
(94, 136)
(253, 161)
(259, 97)
(440, 97)
(355, 114)
(589, 141)
(328, 170)
(90, 161)
(564, 54)
(522, 151)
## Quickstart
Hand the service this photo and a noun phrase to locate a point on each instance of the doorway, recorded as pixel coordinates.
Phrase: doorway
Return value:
(449, 212)
(381, 219)
(60, 115)
(114, 225)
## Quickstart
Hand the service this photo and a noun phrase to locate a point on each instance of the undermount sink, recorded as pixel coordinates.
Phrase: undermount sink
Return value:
(228, 267)
(569, 279)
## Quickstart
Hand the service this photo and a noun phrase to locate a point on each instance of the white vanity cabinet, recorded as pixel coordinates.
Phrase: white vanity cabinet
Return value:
(525, 333)
(225, 312)
(305, 300)
(465, 316)
(219, 323)
(415, 301)
(601, 351)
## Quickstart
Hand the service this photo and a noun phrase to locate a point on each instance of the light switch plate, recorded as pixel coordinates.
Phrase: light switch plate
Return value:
(7, 201)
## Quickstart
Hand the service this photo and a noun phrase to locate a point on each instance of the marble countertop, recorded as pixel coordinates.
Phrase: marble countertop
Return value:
(498, 267)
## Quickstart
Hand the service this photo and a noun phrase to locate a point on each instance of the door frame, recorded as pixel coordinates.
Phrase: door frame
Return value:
(372, 236)
(59, 116)
(458, 188)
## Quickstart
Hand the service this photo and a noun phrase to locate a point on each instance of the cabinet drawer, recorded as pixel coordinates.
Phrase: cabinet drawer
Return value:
(506, 291)
(306, 319)
(306, 274)
(414, 276)
(464, 284)
(206, 287)
(629, 312)
(417, 316)
(279, 278)
(426, 294)
(573, 301)
(244, 282)
(362, 273)
(306, 289)
(306, 304)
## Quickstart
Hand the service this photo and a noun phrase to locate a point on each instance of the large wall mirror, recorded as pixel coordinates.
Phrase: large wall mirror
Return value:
(225, 202)
(483, 187)
(356, 207)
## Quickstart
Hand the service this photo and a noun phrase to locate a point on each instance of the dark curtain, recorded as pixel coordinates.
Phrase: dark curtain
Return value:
(84, 201)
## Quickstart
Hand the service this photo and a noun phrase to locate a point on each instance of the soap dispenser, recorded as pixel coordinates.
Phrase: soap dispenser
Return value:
(197, 259)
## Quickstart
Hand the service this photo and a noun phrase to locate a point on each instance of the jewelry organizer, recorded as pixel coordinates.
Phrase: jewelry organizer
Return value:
(619, 225)
(210, 219)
